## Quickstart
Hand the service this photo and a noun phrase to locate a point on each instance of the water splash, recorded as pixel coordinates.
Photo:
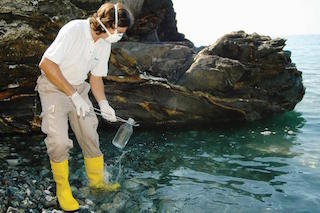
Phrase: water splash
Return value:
(109, 168)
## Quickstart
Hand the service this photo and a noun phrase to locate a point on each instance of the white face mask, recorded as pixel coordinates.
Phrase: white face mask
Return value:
(115, 37)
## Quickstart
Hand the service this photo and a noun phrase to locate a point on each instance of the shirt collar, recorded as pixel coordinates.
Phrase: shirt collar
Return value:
(88, 29)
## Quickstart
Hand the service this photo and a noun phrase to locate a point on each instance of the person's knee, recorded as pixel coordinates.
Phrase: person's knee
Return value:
(58, 148)
(91, 148)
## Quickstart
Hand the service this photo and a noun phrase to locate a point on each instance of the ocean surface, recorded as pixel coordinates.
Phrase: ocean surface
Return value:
(265, 166)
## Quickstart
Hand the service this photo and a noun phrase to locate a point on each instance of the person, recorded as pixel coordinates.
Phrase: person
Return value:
(81, 46)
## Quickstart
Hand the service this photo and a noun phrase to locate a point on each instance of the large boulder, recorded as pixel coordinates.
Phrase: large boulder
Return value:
(155, 76)
(252, 70)
(165, 60)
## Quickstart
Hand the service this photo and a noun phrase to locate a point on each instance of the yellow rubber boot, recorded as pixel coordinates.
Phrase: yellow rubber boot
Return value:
(60, 175)
(95, 169)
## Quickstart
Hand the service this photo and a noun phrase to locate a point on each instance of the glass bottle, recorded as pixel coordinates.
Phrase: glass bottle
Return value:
(123, 134)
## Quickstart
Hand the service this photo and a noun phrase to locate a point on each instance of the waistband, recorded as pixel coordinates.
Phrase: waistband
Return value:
(42, 79)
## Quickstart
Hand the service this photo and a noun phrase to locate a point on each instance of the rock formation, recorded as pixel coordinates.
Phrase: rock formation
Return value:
(156, 76)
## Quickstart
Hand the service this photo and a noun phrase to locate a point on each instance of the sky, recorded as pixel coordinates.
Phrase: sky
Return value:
(205, 21)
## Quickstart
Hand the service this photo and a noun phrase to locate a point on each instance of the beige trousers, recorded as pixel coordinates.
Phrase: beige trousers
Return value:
(57, 109)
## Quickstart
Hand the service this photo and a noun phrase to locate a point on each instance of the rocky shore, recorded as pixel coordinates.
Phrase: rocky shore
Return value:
(156, 75)
(27, 184)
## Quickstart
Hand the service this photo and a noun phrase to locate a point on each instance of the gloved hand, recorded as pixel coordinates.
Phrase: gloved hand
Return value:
(82, 107)
(107, 111)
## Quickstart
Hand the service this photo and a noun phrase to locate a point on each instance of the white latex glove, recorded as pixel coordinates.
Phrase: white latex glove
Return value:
(82, 107)
(107, 111)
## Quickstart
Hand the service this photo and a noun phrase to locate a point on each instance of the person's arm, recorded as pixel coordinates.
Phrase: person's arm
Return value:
(54, 75)
(97, 88)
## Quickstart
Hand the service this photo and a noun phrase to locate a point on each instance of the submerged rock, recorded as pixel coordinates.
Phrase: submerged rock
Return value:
(118, 203)
(156, 76)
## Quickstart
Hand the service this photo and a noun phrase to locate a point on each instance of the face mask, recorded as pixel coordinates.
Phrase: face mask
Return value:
(115, 37)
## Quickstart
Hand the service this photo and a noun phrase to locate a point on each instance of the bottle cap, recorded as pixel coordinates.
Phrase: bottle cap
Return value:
(131, 121)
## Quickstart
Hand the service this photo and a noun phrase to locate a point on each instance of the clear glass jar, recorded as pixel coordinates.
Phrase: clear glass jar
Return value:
(123, 134)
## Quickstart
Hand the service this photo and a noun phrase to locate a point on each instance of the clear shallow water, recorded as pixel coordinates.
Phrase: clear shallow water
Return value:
(266, 166)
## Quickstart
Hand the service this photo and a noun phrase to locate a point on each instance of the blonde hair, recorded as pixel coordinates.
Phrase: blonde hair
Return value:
(106, 13)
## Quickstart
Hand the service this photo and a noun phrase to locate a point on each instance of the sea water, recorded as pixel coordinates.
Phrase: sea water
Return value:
(264, 166)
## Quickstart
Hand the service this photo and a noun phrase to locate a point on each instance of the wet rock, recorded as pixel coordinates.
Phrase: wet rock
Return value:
(85, 209)
(78, 175)
(83, 192)
(13, 190)
(28, 192)
(50, 202)
(2, 192)
(12, 210)
(15, 203)
(4, 152)
(118, 203)
(151, 191)
(19, 196)
(14, 162)
(164, 60)
(38, 193)
(27, 203)
(51, 211)
(45, 173)
(247, 70)
(213, 74)
(89, 202)
(131, 185)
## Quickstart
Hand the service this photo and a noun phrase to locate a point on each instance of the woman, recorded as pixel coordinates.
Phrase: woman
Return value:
(81, 46)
